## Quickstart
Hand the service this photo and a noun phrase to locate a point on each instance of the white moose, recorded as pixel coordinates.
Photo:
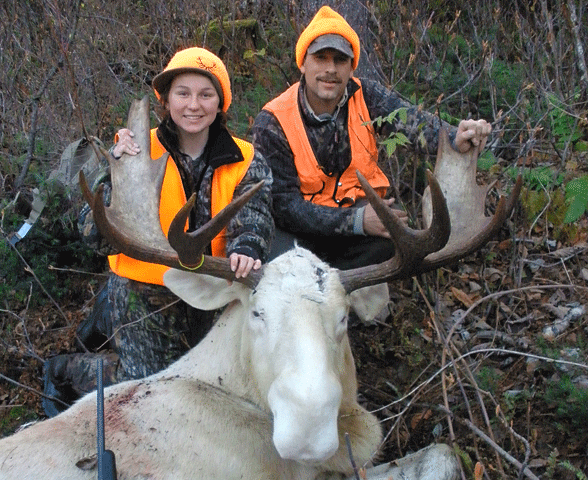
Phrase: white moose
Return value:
(270, 393)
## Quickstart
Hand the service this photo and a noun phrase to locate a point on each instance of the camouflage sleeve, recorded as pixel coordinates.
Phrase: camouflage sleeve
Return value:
(292, 212)
(250, 232)
(421, 127)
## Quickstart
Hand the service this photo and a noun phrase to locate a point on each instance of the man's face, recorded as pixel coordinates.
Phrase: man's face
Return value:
(327, 73)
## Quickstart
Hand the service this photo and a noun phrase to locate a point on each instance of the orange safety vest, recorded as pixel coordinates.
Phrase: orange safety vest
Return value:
(224, 181)
(315, 185)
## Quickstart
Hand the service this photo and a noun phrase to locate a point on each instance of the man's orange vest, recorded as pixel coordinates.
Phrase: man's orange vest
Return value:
(224, 181)
(315, 185)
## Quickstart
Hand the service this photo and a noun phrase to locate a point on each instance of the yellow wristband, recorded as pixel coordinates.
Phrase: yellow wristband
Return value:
(192, 268)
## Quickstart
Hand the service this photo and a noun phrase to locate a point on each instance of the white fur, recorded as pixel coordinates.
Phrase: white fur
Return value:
(269, 394)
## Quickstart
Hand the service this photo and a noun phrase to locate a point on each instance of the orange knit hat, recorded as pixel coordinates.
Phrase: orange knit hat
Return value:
(198, 60)
(324, 22)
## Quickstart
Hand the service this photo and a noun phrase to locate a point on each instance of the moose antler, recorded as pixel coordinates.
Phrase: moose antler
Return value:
(453, 209)
(131, 223)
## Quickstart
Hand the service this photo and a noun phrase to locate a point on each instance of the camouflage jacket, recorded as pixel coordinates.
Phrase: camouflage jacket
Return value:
(248, 233)
(329, 138)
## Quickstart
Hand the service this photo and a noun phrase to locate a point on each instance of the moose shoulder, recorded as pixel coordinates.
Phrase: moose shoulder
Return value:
(270, 393)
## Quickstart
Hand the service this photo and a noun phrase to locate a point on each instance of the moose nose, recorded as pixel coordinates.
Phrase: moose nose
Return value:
(305, 417)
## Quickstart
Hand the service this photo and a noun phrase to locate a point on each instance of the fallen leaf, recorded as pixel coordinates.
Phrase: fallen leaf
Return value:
(416, 419)
(462, 296)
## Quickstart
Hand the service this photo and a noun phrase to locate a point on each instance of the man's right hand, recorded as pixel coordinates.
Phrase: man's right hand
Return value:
(125, 143)
(372, 225)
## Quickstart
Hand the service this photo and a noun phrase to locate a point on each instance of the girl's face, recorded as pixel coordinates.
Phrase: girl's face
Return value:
(193, 103)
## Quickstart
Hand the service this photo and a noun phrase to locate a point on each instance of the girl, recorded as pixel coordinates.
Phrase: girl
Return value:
(146, 326)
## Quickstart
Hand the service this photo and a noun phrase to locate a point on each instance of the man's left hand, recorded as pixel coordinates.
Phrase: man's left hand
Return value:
(472, 134)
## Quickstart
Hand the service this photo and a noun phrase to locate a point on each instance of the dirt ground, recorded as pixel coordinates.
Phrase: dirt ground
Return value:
(490, 388)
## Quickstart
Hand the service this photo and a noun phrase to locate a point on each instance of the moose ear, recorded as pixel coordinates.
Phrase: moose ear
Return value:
(203, 291)
(370, 303)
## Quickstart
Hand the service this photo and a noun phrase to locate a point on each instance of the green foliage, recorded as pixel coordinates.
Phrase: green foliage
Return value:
(514, 400)
(253, 98)
(486, 161)
(552, 206)
(539, 178)
(466, 460)
(395, 139)
(576, 198)
(508, 79)
(400, 113)
(249, 54)
(53, 241)
(552, 466)
(16, 417)
(569, 401)
(575, 470)
(450, 119)
(488, 378)
(545, 193)
(564, 126)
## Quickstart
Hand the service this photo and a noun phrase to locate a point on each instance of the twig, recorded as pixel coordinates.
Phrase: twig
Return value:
(459, 321)
(118, 329)
(446, 343)
(351, 459)
(37, 99)
(32, 272)
(25, 331)
(74, 270)
(519, 437)
(507, 456)
(33, 133)
(26, 387)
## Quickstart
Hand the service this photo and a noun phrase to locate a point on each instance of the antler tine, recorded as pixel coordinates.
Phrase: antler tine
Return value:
(190, 245)
(411, 246)
(132, 224)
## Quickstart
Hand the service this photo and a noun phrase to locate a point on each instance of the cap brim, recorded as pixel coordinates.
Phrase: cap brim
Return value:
(333, 41)
(161, 80)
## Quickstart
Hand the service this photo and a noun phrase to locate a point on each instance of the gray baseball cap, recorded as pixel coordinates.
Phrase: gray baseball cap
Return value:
(331, 40)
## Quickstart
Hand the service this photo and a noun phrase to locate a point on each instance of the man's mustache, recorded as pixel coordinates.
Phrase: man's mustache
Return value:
(329, 79)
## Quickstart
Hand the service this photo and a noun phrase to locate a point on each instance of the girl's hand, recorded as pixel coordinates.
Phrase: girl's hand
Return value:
(242, 264)
(125, 144)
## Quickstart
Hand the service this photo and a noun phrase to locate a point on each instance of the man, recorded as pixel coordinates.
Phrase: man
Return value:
(317, 134)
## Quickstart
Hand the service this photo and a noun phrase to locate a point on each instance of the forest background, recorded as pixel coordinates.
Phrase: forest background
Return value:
(515, 401)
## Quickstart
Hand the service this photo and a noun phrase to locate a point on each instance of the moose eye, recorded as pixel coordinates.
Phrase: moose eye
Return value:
(341, 328)
(256, 321)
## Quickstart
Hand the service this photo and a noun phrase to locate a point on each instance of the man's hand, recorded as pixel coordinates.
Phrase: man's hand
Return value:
(372, 225)
(242, 264)
(472, 134)
(125, 144)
